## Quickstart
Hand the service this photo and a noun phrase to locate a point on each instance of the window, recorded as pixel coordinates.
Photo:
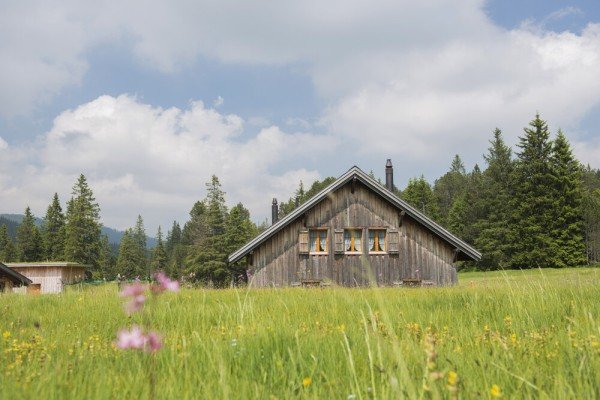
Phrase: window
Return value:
(318, 240)
(376, 240)
(353, 240)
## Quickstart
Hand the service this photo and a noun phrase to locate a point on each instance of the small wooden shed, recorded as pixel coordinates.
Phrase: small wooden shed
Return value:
(10, 279)
(50, 277)
(355, 232)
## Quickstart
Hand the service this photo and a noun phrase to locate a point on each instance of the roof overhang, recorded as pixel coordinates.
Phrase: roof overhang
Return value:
(356, 173)
(14, 275)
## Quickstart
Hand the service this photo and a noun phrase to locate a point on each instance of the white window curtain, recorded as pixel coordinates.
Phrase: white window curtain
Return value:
(313, 241)
(371, 240)
(347, 240)
(323, 240)
(381, 237)
(357, 240)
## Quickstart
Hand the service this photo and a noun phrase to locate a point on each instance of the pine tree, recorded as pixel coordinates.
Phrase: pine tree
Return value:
(567, 230)
(591, 220)
(449, 186)
(29, 240)
(419, 194)
(494, 235)
(238, 231)
(128, 262)
(159, 255)
(176, 251)
(173, 238)
(8, 251)
(196, 228)
(82, 227)
(139, 235)
(106, 259)
(53, 231)
(532, 244)
(208, 257)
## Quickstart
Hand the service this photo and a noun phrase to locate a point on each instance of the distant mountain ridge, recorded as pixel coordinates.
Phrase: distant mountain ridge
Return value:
(12, 221)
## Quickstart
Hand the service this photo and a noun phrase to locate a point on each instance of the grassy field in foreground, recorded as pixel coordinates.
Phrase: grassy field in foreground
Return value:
(532, 334)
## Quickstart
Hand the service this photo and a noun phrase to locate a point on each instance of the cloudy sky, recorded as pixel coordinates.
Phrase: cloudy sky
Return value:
(150, 98)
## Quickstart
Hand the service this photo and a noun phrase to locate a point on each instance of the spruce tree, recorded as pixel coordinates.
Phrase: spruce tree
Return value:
(159, 254)
(128, 262)
(449, 186)
(176, 251)
(82, 227)
(53, 231)
(173, 238)
(419, 194)
(8, 251)
(139, 235)
(567, 229)
(29, 240)
(239, 230)
(532, 244)
(106, 259)
(207, 260)
(494, 235)
(591, 220)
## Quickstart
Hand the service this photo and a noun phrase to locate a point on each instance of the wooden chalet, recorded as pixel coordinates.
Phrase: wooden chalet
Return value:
(355, 232)
(10, 279)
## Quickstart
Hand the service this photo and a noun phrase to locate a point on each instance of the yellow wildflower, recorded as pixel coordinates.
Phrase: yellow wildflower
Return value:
(306, 381)
(452, 378)
(6, 335)
(495, 391)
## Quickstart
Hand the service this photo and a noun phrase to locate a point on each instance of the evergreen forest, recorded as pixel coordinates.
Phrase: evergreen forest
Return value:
(533, 206)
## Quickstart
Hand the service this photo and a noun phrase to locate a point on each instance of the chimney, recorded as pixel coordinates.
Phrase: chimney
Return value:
(389, 175)
(274, 212)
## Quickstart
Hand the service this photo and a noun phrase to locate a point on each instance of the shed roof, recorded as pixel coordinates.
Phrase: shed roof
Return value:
(14, 276)
(360, 175)
(55, 264)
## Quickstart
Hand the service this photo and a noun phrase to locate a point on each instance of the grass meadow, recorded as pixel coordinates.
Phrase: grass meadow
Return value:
(531, 334)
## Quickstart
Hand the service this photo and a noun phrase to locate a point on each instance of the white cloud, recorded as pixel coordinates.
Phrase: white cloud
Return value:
(153, 161)
(415, 81)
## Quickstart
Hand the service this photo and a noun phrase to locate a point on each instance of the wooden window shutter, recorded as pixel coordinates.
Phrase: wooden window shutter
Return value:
(393, 240)
(338, 241)
(303, 242)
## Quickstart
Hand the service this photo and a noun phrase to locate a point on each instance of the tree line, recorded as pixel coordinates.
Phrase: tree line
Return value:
(538, 207)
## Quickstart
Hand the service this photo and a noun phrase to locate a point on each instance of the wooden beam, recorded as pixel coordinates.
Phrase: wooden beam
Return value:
(401, 216)
(455, 256)
(353, 185)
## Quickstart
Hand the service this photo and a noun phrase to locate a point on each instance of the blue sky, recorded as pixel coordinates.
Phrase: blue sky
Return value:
(148, 99)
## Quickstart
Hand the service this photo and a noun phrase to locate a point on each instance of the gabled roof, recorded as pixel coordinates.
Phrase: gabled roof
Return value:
(14, 275)
(372, 184)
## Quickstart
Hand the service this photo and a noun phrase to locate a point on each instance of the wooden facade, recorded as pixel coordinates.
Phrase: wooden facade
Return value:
(413, 252)
(10, 279)
(50, 277)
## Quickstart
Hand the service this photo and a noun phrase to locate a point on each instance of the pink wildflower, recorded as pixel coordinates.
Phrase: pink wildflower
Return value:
(136, 292)
(133, 339)
(135, 304)
(133, 290)
(154, 342)
(166, 283)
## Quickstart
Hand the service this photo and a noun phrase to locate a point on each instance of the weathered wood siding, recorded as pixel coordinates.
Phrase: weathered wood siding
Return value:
(422, 255)
(52, 278)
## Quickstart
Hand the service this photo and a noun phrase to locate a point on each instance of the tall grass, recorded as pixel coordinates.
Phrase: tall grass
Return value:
(533, 334)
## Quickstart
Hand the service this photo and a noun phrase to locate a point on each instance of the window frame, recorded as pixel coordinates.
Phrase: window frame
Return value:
(385, 240)
(316, 229)
(362, 236)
